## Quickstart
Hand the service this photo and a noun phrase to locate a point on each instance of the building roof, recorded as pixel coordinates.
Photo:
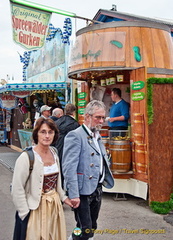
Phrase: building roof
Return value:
(112, 15)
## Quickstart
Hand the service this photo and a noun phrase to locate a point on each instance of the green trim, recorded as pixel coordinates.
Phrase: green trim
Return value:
(150, 82)
(43, 7)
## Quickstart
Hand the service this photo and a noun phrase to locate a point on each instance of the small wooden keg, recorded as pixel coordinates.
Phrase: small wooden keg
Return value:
(120, 156)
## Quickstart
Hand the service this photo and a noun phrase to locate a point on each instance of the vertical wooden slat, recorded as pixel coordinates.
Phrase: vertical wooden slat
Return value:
(160, 144)
(158, 48)
(139, 127)
(88, 60)
(147, 46)
(109, 51)
(120, 35)
(128, 62)
(98, 47)
(135, 41)
(139, 107)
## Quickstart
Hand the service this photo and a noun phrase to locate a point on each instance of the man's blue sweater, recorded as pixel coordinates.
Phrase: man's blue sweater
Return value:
(119, 109)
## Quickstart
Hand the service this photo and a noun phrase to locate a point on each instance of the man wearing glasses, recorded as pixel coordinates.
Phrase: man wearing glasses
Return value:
(85, 168)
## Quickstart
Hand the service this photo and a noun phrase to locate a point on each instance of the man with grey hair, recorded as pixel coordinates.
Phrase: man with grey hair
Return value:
(56, 114)
(85, 169)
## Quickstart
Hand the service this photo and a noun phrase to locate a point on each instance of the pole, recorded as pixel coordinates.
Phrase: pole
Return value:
(50, 9)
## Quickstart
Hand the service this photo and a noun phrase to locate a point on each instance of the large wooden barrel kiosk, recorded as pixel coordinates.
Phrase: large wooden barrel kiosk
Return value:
(137, 50)
(101, 48)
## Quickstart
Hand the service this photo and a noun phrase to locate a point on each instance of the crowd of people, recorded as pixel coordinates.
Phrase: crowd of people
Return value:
(70, 166)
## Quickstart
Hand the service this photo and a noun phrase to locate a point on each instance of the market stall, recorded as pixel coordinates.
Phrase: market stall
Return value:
(45, 81)
(20, 104)
(126, 55)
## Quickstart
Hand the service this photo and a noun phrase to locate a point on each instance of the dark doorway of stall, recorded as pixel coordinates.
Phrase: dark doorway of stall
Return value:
(17, 119)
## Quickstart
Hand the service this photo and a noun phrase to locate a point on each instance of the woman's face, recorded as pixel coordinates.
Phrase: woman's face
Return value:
(45, 135)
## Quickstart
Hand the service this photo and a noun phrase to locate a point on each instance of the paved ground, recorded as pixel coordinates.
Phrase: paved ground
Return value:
(8, 157)
(121, 220)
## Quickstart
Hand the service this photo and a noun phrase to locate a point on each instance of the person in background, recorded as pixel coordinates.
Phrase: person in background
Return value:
(119, 112)
(65, 124)
(56, 114)
(45, 112)
(85, 168)
(37, 196)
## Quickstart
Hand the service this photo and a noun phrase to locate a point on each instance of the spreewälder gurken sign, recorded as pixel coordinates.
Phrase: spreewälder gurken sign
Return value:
(29, 26)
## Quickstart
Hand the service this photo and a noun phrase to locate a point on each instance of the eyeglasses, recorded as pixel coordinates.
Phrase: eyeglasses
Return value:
(99, 117)
(44, 132)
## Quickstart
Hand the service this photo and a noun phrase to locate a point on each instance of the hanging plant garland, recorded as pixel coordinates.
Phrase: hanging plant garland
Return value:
(150, 83)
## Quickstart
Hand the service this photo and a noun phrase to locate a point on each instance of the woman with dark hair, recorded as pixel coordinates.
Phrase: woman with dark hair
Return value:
(38, 196)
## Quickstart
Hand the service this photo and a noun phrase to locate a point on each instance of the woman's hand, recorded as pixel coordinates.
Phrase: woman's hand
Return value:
(68, 202)
(74, 203)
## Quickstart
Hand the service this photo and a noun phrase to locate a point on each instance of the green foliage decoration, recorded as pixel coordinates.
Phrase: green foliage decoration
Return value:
(162, 207)
(150, 82)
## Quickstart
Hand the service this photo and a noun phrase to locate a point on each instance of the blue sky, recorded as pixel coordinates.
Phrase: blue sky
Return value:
(9, 58)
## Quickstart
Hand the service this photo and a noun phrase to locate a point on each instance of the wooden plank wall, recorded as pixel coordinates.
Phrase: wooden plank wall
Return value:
(161, 144)
(139, 129)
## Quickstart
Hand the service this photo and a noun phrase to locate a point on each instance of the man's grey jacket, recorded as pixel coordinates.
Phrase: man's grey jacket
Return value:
(81, 164)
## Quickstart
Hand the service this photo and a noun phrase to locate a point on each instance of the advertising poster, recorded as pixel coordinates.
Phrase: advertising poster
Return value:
(49, 63)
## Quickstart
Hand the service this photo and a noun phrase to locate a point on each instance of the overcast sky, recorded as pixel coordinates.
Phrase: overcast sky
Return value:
(9, 58)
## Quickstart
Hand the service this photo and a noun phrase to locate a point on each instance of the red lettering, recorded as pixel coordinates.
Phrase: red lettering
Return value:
(23, 25)
(36, 27)
(28, 39)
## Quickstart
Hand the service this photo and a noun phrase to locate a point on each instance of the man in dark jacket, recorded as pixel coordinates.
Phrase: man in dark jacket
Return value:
(65, 124)
(56, 114)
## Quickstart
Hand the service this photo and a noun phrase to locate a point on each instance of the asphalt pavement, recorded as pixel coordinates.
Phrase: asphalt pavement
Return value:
(121, 219)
